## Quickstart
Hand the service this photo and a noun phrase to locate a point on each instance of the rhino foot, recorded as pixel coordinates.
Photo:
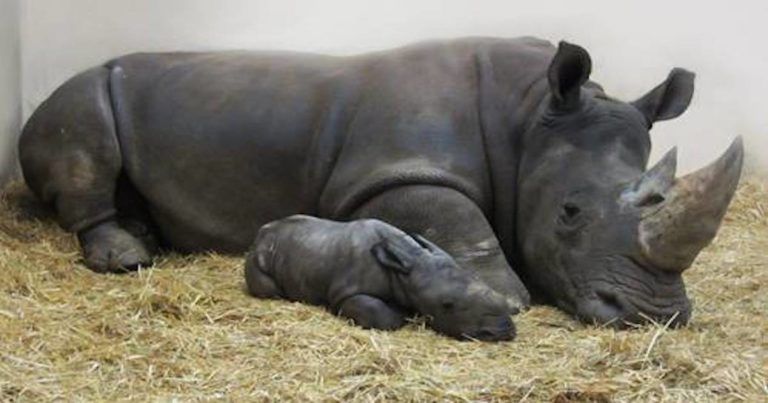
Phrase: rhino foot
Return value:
(108, 248)
(505, 281)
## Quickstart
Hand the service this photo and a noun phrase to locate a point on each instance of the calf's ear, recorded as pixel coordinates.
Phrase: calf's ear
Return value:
(426, 244)
(569, 70)
(433, 249)
(391, 258)
(669, 99)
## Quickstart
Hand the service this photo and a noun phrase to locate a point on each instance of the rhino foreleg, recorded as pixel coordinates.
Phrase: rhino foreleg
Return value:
(456, 224)
(70, 156)
(371, 313)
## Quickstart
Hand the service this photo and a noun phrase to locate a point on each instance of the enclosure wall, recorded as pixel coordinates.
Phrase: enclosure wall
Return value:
(633, 44)
(10, 86)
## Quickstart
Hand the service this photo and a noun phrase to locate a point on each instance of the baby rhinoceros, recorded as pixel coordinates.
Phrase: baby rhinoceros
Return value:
(374, 274)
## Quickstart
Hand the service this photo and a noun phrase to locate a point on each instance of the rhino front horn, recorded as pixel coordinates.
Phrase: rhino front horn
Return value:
(681, 216)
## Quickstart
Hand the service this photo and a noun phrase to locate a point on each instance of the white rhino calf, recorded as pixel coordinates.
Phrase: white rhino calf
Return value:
(374, 274)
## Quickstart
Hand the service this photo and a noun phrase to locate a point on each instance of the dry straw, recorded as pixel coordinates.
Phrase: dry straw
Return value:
(186, 330)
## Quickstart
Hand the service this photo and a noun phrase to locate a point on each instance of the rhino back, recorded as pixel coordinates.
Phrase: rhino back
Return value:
(416, 122)
(220, 143)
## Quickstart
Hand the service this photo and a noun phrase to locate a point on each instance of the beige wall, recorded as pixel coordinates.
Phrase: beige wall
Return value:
(10, 86)
(634, 44)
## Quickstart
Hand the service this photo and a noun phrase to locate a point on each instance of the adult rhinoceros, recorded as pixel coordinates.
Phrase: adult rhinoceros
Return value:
(499, 150)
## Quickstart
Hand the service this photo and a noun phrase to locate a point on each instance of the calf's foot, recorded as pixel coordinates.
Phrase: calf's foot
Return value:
(108, 248)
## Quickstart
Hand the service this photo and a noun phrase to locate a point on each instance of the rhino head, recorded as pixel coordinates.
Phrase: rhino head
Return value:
(455, 302)
(600, 236)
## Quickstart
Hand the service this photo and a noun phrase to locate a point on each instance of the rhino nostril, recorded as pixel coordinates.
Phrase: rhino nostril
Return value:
(610, 300)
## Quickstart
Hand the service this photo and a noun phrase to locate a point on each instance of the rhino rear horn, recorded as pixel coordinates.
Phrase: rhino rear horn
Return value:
(686, 213)
(649, 190)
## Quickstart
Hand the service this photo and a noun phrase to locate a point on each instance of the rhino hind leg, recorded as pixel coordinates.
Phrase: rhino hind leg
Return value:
(371, 313)
(134, 217)
(70, 157)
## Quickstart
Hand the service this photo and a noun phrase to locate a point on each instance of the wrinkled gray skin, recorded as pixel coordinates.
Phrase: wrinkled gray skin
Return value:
(374, 274)
(498, 150)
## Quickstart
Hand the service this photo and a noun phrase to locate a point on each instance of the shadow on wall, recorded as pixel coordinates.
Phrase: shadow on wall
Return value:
(10, 87)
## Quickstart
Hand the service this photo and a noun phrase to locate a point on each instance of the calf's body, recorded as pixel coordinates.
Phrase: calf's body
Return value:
(374, 274)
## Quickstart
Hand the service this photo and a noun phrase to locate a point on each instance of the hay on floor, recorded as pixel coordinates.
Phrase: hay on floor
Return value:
(186, 329)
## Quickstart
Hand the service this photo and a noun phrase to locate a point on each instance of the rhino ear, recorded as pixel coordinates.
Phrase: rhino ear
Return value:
(391, 258)
(569, 70)
(669, 99)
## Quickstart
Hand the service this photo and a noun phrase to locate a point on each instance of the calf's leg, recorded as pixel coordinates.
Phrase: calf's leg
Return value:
(70, 157)
(371, 313)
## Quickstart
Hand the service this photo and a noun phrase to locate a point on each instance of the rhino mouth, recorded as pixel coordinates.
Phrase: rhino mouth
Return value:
(631, 295)
(614, 308)
(491, 329)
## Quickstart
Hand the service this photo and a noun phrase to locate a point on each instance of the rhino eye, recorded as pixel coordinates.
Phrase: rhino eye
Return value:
(448, 305)
(571, 218)
(571, 210)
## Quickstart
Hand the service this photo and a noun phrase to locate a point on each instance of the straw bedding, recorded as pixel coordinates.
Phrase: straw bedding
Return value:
(186, 330)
